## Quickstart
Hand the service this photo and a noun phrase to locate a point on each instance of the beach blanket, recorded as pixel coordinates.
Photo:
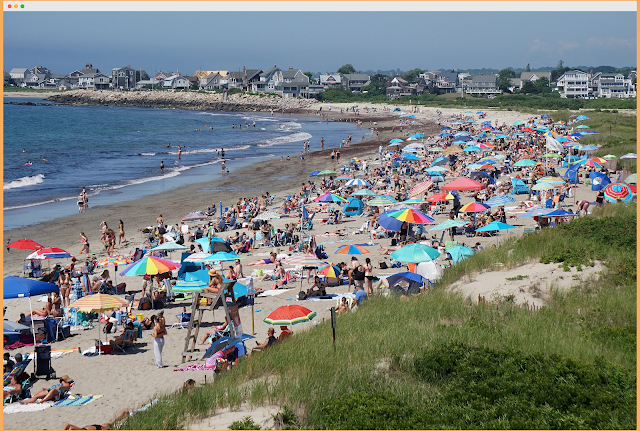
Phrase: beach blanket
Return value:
(27, 408)
(77, 400)
(274, 292)
(196, 367)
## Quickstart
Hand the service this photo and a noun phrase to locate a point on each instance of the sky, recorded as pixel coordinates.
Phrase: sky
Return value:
(316, 41)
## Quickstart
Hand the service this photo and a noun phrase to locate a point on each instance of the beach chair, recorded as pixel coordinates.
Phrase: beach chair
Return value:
(221, 226)
(127, 342)
(549, 203)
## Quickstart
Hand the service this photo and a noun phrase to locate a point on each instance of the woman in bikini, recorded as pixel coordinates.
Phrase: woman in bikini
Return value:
(271, 259)
(121, 234)
(215, 281)
(368, 275)
(64, 281)
(56, 304)
(85, 243)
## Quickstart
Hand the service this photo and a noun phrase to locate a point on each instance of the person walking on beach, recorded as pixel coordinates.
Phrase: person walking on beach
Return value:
(121, 234)
(158, 334)
(338, 155)
(223, 166)
(222, 152)
(301, 156)
(333, 156)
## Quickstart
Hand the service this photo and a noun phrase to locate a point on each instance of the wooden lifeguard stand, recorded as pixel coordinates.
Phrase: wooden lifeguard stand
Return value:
(218, 300)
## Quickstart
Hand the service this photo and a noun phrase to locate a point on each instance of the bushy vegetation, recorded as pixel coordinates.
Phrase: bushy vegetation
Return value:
(439, 360)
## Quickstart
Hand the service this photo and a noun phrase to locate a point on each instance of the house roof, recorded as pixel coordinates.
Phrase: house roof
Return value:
(398, 79)
(270, 71)
(205, 73)
(18, 70)
(289, 73)
(484, 78)
(528, 75)
(356, 76)
(447, 76)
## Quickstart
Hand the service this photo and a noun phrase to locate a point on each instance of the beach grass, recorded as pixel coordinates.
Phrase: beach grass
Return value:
(381, 373)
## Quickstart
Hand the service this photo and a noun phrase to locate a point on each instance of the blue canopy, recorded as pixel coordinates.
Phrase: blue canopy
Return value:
(598, 181)
(405, 283)
(460, 252)
(18, 287)
(572, 174)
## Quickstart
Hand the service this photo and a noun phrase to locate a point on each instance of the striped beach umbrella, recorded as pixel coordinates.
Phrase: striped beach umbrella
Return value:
(420, 188)
(289, 315)
(474, 207)
(196, 257)
(524, 162)
(618, 192)
(190, 286)
(365, 192)
(411, 216)
(448, 224)
(49, 253)
(329, 197)
(380, 201)
(303, 260)
(356, 182)
(610, 157)
(327, 172)
(343, 177)
(553, 180)
(330, 271)
(351, 249)
(499, 201)
(630, 156)
(150, 265)
(544, 186)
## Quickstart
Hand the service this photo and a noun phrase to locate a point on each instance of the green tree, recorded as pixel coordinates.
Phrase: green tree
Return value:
(379, 77)
(542, 85)
(412, 75)
(528, 87)
(346, 69)
(375, 88)
(309, 74)
(504, 79)
(560, 65)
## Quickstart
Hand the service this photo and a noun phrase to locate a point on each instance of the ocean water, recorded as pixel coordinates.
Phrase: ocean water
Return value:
(116, 152)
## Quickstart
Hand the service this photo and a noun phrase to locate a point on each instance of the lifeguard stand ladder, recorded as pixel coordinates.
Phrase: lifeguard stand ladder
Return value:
(226, 291)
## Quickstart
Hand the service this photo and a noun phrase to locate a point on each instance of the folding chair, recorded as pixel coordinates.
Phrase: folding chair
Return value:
(127, 342)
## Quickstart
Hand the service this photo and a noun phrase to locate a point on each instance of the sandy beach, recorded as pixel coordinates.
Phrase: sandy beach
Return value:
(131, 380)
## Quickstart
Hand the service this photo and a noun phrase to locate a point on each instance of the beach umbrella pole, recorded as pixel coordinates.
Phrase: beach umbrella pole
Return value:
(33, 332)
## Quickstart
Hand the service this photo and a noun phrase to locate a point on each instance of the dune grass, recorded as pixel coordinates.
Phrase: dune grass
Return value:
(584, 339)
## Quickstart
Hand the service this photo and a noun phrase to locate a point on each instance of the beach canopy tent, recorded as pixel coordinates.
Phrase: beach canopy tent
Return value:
(572, 174)
(460, 252)
(354, 207)
(19, 287)
(217, 244)
(519, 187)
(463, 184)
(598, 181)
(479, 175)
(404, 283)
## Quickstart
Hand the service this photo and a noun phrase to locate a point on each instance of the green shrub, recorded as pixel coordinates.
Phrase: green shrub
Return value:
(246, 423)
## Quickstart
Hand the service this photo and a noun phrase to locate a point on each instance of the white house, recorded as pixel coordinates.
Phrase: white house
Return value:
(291, 83)
(482, 85)
(18, 74)
(573, 84)
(94, 81)
(176, 82)
(612, 85)
(331, 80)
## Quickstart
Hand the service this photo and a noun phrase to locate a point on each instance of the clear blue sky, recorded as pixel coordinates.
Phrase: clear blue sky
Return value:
(317, 41)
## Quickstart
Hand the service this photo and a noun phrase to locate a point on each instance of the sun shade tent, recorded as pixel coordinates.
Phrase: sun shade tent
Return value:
(404, 283)
(519, 187)
(479, 175)
(354, 207)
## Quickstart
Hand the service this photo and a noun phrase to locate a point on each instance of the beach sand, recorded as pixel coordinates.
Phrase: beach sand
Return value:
(131, 380)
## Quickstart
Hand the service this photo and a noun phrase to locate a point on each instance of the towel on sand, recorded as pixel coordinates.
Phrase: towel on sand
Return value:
(77, 400)
(19, 408)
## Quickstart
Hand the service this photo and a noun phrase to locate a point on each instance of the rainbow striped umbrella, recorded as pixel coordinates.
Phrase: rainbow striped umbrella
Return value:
(411, 216)
(329, 197)
(420, 188)
(196, 257)
(330, 271)
(618, 192)
(289, 315)
(150, 266)
(474, 207)
(344, 177)
(351, 249)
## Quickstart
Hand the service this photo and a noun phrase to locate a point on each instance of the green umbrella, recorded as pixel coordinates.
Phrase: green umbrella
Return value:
(550, 155)
(631, 179)
(460, 252)
(415, 253)
(543, 186)
(524, 162)
(327, 172)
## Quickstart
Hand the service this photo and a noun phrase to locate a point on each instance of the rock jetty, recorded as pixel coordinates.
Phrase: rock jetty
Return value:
(182, 100)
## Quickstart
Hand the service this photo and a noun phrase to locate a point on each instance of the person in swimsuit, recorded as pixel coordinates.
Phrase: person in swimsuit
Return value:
(121, 234)
(64, 281)
(45, 394)
(105, 426)
(271, 259)
(85, 243)
(368, 275)
(46, 311)
(215, 281)
(56, 302)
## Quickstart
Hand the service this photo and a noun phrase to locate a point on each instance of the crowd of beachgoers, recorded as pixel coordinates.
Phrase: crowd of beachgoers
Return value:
(420, 191)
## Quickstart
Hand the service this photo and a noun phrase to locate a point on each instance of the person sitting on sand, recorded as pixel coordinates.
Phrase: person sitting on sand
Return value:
(119, 340)
(14, 387)
(46, 311)
(278, 274)
(343, 306)
(270, 341)
(104, 426)
(319, 288)
(388, 250)
(286, 332)
(63, 385)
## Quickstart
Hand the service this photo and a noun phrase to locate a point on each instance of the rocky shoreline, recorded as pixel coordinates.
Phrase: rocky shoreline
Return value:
(182, 100)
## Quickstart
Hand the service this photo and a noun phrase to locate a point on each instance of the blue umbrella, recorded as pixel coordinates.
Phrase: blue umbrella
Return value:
(409, 275)
(410, 157)
(442, 135)
(314, 173)
(389, 223)
(445, 128)
(495, 225)
(460, 252)
(396, 140)
(559, 213)
(471, 148)
(418, 135)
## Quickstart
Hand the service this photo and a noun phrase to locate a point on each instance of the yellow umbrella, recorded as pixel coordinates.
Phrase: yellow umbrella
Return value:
(98, 302)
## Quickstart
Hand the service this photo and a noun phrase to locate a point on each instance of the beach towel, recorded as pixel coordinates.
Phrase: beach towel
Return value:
(77, 400)
(27, 408)
(274, 292)
(196, 367)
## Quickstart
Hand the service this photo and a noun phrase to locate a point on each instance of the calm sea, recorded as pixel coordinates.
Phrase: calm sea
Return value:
(116, 152)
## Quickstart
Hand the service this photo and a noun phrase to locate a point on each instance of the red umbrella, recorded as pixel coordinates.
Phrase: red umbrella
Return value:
(438, 197)
(25, 244)
(289, 315)
(49, 253)
(463, 184)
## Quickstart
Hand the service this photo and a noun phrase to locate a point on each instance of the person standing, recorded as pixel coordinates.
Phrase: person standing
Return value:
(121, 234)
(8, 242)
(333, 156)
(158, 334)
(338, 155)
(368, 275)
(322, 144)
(161, 165)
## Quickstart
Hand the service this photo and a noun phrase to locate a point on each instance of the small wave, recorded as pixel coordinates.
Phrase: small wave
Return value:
(147, 154)
(258, 118)
(39, 203)
(24, 182)
(292, 125)
(213, 150)
(298, 136)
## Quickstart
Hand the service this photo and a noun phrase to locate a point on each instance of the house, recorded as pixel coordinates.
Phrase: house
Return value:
(331, 80)
(124, 77)
(573, 84)
(161, 76)
(395, 91)
(66, 83)
(176, 82)
(266, 81)
(611, 85)
(534, 76)
(243, 79)
(448, 82)
(94, 81)
(481, 85)
(88, 68)
(193, 80)
(291, 83)
(398, 82)
(312, 91)
(204, 75)
(7, 78)
(37, 77)
(355, 81)
(214, 81)
(18, 75)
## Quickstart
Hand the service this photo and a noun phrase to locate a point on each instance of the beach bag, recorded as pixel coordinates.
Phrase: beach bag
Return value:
(108, 327)
(302, 296)
(144, 304)
(383, 265)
